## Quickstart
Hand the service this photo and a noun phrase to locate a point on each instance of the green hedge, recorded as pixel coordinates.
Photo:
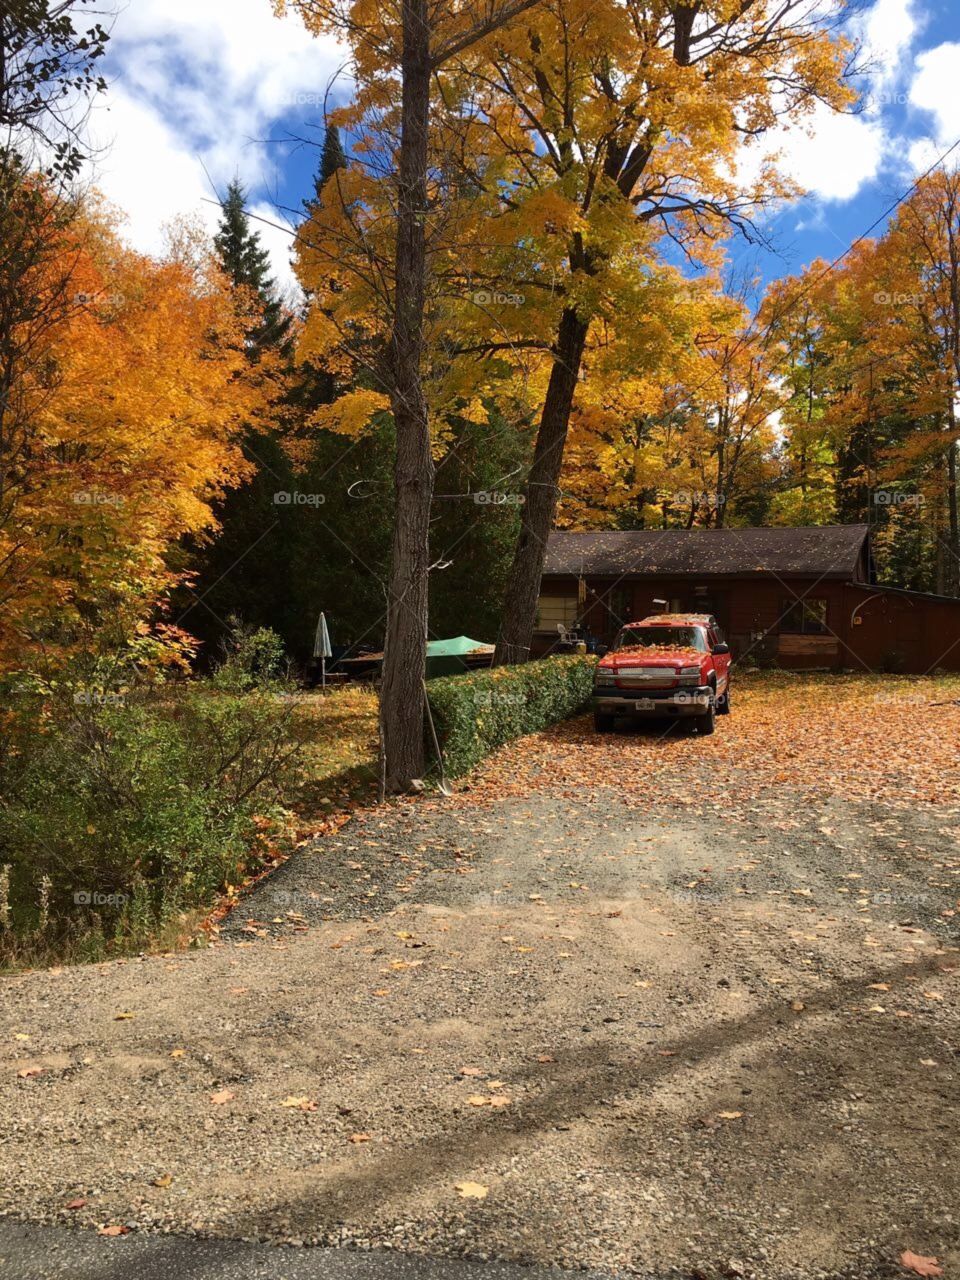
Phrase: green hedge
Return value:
(476, 713)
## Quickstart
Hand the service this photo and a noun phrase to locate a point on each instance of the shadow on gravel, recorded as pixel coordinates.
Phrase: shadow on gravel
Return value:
(582, 1079)
(54, 1253)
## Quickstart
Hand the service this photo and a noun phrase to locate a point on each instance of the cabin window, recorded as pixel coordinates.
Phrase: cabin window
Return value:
(556, 611)
(804, 617)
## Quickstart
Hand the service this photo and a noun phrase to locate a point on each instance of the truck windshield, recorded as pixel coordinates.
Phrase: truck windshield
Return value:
(661, 637)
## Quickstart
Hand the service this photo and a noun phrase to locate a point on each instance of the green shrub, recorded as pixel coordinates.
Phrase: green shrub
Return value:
(123, 808)
(476, 713)
(254, 657)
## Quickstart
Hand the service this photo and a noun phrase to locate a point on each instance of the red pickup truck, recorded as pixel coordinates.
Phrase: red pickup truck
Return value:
(668, 665)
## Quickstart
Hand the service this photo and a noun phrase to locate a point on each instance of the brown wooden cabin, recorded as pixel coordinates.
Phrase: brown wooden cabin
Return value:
(802, 598)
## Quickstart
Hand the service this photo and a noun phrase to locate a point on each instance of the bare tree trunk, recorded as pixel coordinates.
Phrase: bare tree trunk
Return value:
(542, 492)
(401, 696)
(953, 566)
(722, 480)
(953, 246)
(941, 568)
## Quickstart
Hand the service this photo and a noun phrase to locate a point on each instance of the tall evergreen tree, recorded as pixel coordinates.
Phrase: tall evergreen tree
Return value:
(332, 158)
(340, 550)
(244, 571)
(278, 564)
(247, 263)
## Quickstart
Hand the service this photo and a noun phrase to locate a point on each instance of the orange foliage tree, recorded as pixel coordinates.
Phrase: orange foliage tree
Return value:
(871, 355)
(126, 387)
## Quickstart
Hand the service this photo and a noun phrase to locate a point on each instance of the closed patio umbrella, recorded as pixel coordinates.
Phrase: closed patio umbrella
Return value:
(321, 647)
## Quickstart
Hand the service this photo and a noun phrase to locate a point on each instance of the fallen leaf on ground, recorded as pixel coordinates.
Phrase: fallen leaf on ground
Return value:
(920, 1265)
(928, 1062)
(177, 1053)
(75, 1204)
(729, 1115)
(165, 1180)
(359, 1137)
(301, 1104)
(471, 1071)
(222, 1096)
(471, 1190)
(123, 1017)
(28, 1072)
(113, 1231)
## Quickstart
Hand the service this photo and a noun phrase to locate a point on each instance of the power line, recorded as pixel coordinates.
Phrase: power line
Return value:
(886, 214)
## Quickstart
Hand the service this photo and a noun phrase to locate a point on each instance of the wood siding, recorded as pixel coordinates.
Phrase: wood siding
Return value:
(869, 628)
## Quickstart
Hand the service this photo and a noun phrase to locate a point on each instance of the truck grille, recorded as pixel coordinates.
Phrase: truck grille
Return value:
(646, 677)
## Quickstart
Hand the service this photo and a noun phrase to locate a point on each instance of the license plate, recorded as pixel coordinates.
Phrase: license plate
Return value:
(644, 704)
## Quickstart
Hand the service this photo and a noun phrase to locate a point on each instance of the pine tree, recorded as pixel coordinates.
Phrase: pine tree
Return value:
(340, 553)
(244, 572)
(247, 263)
(332, 158)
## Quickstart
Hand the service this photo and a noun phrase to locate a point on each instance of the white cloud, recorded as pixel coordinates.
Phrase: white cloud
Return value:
(197, 86)
(832, 155)
(886, 30)
(145, 169)
(934, 90)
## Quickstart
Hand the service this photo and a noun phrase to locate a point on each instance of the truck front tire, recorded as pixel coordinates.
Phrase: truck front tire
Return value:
(707, 722)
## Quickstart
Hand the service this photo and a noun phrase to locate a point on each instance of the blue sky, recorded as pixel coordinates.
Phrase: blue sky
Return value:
(855, 169)
(201, 90)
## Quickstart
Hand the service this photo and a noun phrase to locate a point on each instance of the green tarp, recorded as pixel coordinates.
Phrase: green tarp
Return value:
(447, 657)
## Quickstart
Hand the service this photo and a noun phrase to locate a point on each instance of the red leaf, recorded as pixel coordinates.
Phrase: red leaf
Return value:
(919, 1265)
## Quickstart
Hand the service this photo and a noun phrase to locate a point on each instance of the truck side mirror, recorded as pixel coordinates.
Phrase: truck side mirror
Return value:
(719, 650)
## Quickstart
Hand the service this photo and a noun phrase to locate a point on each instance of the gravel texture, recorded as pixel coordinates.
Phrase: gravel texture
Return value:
(671, 1031)
(55, 1253)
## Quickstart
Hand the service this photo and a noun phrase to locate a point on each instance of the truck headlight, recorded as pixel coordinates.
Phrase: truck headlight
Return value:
(690, 675)
(604, 677)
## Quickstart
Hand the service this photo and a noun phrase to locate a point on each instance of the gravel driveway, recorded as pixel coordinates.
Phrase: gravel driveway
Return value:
(673, 1007)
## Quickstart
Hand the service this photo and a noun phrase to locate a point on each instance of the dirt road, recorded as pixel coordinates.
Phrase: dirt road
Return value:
(700, 1019)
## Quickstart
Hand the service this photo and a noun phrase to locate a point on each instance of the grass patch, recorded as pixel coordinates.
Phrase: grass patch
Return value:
(338, 736)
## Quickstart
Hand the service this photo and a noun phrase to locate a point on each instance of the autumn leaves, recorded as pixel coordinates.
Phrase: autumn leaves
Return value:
(501, 234)
(132, 383)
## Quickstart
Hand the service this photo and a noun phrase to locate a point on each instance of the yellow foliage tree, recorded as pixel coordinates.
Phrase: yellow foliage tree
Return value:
(129, 397)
